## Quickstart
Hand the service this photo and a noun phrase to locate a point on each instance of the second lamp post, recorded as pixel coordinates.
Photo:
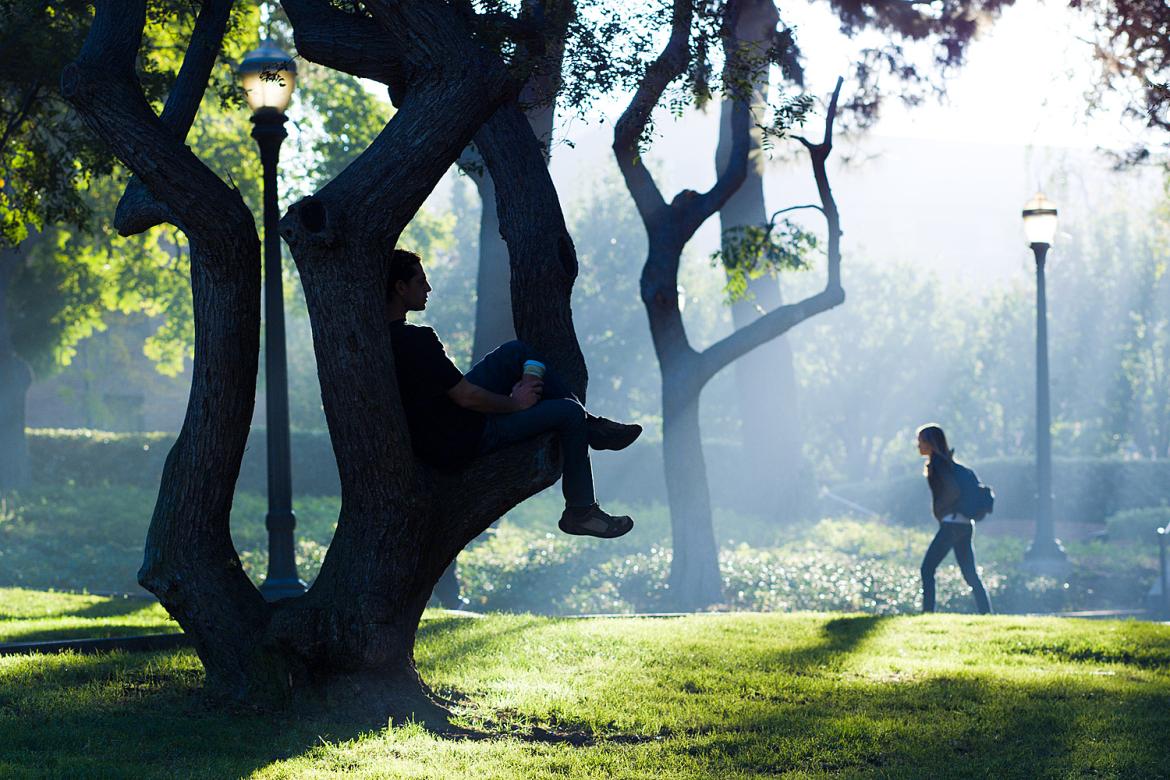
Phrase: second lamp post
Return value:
(1040, 229)
(268, 76)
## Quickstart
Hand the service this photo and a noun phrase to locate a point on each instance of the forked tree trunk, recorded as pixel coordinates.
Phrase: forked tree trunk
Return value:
(694, 575)
(352, 634)
(493, 300)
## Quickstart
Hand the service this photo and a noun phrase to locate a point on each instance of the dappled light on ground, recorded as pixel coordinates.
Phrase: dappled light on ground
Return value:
(701, 696)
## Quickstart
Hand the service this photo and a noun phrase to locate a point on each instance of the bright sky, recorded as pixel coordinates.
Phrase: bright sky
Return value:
(1024, 82)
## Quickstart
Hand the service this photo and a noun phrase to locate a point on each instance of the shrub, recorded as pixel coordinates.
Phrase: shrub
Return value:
(1138, 524)
(78, 538)
(95, 458)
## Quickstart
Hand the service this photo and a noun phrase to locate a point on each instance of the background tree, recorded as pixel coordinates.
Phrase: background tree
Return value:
(1132, 43)
(694, 578)
(765, 378)
(949, 26)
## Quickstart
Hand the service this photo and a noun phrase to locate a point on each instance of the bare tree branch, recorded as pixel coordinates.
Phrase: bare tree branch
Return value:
(778, 321)
(631, 127)
(701, 208)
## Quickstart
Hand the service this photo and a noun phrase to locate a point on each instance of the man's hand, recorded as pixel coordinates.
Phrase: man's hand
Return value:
(527, 392)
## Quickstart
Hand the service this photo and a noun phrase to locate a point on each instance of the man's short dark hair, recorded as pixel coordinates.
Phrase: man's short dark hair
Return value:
(403, 265)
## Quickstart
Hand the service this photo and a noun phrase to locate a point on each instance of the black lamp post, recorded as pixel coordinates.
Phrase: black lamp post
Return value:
(1040, 228)
(268, 76)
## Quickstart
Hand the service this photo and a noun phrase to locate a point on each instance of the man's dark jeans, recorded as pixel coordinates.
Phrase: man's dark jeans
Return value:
(558, 410)
(958, 536)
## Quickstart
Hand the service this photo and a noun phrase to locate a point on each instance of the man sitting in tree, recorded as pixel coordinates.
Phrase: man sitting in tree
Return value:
(455, 417)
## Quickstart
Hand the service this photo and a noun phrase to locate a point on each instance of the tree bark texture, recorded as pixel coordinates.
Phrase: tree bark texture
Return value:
(493, 305)
(190, 563)
(15, 379)
(766, 378)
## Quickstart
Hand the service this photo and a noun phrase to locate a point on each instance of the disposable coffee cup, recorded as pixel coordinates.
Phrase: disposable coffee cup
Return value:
(534, 368)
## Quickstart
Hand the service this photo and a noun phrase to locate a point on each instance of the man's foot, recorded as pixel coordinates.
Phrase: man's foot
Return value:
(593, 521)
(605, 434)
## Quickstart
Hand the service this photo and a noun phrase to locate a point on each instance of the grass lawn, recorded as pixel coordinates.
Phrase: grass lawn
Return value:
(728, 695)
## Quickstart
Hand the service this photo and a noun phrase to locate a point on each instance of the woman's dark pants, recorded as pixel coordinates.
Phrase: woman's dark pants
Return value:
(957, 536)
(558, 410)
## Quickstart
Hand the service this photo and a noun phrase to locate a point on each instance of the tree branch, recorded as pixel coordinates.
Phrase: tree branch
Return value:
(21, 114)
(137, 210)
(692, 213)
(488, 488)
(778, 321)
(351, 43)
(631, 127)
(102, 85)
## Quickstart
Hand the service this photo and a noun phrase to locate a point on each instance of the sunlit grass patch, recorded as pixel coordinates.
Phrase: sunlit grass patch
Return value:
(716, 695)
(28, 615)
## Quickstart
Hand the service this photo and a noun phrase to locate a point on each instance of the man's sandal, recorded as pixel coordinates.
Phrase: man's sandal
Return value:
(593, 521)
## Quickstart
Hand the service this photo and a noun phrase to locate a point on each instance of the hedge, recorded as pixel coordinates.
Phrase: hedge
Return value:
(97, 458)
(1085, 490)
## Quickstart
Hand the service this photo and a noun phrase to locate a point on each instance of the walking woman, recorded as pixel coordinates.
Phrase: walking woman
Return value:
(954, 528)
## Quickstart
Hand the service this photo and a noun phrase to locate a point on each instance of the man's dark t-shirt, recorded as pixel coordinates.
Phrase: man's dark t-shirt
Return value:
(443, 433)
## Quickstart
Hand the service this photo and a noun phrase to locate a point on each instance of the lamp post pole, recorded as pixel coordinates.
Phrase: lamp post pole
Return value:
(1040, 222)
(282, 580)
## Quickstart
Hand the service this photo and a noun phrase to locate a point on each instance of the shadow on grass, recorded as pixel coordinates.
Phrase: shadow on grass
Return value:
(115, 607)
(948, 727)
(839, 638)
(141, 715)
(84, 632)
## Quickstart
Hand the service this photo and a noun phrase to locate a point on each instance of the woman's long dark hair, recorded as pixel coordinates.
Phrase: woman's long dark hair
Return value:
(933, 435)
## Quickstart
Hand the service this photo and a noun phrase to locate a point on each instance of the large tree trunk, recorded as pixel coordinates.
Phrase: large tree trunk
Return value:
(694, 570)
(669, 226)
(695, 581)
(765, 378)
(400, 523)
(15, 379)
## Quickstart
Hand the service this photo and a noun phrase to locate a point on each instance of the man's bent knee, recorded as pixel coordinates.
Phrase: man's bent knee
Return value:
(570, 412)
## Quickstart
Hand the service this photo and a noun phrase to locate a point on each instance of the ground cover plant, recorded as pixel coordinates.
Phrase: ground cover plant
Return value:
(90, 538)
(799, 695)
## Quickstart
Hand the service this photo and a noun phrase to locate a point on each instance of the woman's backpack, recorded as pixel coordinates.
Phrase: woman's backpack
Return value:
(976, 500)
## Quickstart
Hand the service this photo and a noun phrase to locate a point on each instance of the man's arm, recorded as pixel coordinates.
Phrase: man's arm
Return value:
(477, 399)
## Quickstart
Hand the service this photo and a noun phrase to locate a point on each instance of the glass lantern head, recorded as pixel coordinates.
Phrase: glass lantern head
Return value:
(268, 76)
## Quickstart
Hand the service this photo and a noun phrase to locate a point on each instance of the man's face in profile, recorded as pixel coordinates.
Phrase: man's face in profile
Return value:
(414, 291)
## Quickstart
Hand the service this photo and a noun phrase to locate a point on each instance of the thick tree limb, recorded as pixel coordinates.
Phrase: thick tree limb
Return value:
(691, 212)
(137, 210)
(102, 86)
(778, 321)
(189, 560)
(351, 43)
